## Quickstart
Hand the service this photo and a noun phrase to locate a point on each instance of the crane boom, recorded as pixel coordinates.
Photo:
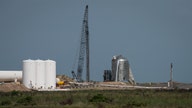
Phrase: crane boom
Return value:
(84, 49)
(87, 44)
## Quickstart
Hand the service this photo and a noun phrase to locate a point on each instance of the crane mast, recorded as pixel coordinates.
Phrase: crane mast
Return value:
(87, 43)
(84, 49)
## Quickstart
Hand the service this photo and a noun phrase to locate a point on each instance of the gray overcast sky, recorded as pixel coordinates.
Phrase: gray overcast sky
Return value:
(150, 33)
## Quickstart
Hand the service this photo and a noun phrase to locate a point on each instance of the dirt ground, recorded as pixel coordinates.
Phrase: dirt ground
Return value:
(12, 86)
(7, 87)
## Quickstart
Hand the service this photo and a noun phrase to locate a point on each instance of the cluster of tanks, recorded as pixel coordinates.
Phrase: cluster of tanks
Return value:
(39, 74)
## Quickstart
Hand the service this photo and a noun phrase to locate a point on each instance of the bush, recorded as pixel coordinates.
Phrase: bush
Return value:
(5, 102)
(26, 101)
(15, 93)
(68, 101)
(99, 98)
(136, 103)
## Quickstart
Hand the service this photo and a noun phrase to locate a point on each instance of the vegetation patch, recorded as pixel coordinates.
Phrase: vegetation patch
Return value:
(100, 98)
(15, 93)
(26, 101)
(136, 103)
(5, 103)
(68, 101)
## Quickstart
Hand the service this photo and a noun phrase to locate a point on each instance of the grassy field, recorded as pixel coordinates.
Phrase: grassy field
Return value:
(98, 99)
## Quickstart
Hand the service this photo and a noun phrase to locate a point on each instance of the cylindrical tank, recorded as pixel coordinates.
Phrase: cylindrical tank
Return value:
(123, 69)
(40, 74)
(10, 76)
(29, 73)
(50, 69)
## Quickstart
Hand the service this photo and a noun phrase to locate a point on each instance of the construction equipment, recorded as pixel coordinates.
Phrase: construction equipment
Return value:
(60, 83)
(84, 49)
(74, 75)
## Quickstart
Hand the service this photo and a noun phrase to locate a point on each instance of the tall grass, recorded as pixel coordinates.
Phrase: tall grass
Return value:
(98, 98)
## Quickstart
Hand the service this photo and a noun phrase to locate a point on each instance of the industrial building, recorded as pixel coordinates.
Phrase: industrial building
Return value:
(107, 75)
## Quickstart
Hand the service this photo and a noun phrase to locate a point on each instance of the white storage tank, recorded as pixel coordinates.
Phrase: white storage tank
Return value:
(40, 74)
(29, 73)
(50, 74)
(11, 76)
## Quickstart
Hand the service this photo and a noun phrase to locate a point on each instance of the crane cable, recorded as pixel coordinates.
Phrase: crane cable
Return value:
(76, 54)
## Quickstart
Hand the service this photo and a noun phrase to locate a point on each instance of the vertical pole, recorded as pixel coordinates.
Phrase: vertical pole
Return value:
(171, 75)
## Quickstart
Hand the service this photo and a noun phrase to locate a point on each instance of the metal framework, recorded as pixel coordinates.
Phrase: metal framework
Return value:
(84, 49)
